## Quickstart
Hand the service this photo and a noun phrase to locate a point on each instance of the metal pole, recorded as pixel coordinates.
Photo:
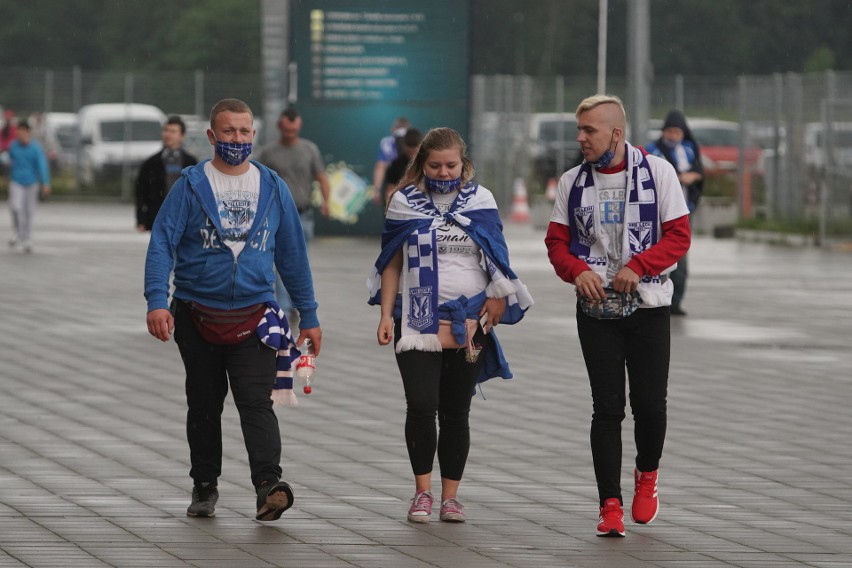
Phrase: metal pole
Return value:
(199, 93)
(639, 65)
(128, 136)
(602, 41)
(560, 108)
(48, 91)
(679, 104)
(76, 103)
(275, 39)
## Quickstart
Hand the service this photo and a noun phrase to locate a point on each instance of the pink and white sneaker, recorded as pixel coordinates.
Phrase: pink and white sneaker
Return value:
(452, 511)
(421, 507)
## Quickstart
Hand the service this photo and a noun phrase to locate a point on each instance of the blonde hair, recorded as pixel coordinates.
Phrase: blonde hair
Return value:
(228, 105)
(594, 101)
(436, 139)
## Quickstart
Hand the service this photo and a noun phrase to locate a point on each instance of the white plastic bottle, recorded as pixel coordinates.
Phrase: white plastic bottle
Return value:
(306, 367)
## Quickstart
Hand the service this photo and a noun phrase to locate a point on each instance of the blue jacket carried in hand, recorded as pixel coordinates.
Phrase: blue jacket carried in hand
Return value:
(185, 238)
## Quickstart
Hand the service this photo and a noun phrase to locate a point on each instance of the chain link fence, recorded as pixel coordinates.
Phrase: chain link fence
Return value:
(47, 97)
(778, 147)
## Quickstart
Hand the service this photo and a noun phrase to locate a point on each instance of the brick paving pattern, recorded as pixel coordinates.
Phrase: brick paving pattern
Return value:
(757, 469)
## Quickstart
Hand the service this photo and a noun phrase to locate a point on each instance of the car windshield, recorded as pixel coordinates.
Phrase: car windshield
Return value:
(841, 139)
(66, 135)
(140, 131)
(710, 136)
(549, 131)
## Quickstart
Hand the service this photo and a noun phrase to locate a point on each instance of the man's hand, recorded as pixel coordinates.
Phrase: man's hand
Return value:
(161, 324)
(312, 334)
(589, 284)
(625, 281)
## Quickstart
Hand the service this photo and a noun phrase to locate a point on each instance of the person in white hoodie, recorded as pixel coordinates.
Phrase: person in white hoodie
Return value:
(619, 226)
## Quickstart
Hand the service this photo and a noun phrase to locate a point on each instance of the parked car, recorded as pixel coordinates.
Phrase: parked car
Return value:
(816, 145)
(115, 135)
(57, 132)
(553, 136)
(720, 146)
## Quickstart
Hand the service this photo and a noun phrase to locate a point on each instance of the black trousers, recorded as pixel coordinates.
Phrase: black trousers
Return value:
(439, 383)
(249, 368)
(639, 343)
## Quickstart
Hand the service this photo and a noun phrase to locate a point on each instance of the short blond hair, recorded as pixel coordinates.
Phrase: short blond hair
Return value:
(594, 101)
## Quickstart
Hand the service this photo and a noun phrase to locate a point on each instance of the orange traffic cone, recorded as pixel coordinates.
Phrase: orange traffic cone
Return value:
(520, 204)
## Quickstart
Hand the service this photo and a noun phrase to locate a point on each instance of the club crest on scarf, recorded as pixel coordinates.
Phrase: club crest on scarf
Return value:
(585, 219)
(640, 236)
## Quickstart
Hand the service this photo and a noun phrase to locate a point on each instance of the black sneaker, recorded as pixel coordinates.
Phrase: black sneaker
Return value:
(204, 497)
(273, 498)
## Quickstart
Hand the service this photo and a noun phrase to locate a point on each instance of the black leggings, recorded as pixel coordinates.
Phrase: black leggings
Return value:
(639, 344)
(443, 383)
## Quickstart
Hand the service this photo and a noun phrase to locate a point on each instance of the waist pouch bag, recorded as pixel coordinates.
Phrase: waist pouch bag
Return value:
(615, 305)
(226, 327)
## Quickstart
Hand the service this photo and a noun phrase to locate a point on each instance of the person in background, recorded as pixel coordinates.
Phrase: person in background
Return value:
(443, 282)
(159, 173)
(618, 228)
(681, 150)
(8, 132)
(221, 229)
(29, 177)
(409, 144)
(299, 163)
(388, 150)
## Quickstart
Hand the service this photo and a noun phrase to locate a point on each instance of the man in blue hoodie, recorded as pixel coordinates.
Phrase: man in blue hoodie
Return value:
(29, 174)
(224, 227)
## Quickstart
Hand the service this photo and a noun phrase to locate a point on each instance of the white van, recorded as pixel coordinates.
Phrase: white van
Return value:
(113, 135)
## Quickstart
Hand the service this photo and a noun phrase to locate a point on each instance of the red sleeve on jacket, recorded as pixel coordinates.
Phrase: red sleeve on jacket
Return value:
(668, 250)
(558, 241)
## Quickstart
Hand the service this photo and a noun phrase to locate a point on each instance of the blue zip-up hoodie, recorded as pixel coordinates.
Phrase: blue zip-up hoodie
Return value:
(185, 238)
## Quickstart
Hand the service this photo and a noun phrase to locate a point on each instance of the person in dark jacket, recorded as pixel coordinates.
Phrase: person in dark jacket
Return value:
(159, 173)
(677, 146)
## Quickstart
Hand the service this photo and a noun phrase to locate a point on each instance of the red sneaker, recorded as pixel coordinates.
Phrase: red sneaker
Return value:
(611, 521)
(646, 504)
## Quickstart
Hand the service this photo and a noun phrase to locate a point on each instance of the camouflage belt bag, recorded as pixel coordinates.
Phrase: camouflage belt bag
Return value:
(615, 305)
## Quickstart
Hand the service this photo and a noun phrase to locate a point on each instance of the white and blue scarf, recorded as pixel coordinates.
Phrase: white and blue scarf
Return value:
(411, 222)
(274, 332)
(642, 226)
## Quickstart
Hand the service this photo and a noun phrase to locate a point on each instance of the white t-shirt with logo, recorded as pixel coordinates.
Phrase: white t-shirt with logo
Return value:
(236, 200)
(460, 271)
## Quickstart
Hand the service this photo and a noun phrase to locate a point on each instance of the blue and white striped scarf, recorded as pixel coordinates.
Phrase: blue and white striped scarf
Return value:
(274, 332)
(642, 225)
(411, 221)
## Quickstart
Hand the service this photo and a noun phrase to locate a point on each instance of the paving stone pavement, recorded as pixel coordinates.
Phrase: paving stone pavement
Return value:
(757, 469)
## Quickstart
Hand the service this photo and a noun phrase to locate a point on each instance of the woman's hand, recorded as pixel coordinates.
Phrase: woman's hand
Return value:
(493, 311)
(385, 331)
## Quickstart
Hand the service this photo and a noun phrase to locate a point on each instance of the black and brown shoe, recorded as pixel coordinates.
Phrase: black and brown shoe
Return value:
(273, 498)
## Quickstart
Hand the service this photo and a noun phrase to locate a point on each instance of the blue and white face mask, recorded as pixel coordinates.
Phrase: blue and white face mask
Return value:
(233, 153)
(606, 158)
(442, 185)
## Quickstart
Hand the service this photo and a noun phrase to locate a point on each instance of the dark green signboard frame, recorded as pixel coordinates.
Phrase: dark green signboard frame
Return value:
(362, 63)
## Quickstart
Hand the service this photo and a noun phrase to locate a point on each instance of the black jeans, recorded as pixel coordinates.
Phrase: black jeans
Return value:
(439, 383)
(249, 367)
(641, 343)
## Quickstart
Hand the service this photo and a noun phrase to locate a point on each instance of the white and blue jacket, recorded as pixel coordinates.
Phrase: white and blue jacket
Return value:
(185, 239)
